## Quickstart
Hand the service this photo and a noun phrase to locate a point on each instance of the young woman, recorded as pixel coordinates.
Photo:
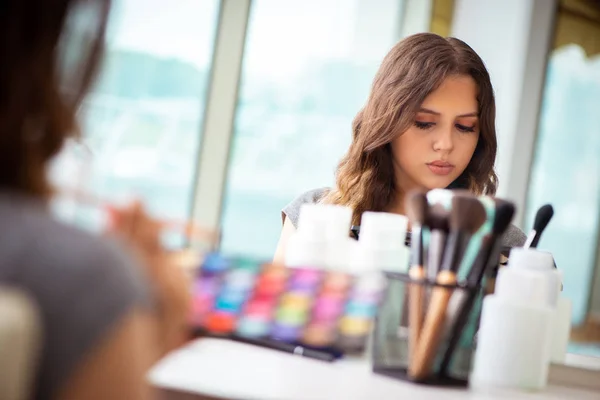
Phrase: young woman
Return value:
(108, 308)
(428, 123)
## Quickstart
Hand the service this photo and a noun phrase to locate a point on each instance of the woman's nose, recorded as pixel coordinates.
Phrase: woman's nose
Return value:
(443, 140)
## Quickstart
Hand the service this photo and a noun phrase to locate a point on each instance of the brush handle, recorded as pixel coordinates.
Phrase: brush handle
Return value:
(188, 228)
(437, 243)
(456, 245)
(428, 344)
(416, 246)
(489, 246)
(531, 238)
(416, 293)
(457, 329)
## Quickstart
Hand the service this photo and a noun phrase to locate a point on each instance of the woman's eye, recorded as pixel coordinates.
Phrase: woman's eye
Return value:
(464, 128)
(423, 125)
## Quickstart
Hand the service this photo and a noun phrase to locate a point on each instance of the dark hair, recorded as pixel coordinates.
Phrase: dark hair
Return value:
(37, 108)
(414, 68)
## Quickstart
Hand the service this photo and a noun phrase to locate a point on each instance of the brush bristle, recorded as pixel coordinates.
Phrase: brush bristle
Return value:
(468, 214)
(542, 217)
(505, 210)
(437, 218)
(417, 207)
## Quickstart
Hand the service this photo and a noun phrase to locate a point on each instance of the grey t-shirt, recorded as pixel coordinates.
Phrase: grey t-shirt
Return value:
(82, 284)
(513, 237)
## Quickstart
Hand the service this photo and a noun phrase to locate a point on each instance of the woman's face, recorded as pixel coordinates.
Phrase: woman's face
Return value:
(437, 148)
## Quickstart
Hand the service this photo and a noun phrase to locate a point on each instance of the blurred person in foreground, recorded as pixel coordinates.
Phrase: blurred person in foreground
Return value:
(109, 306)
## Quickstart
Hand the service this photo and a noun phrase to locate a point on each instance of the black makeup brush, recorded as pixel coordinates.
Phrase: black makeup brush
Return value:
(437, 221)
(466, 217)
(487, 257)
(417, 212)
(542, 217)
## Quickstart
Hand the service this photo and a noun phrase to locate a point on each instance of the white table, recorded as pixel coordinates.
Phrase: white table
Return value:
(230, 370)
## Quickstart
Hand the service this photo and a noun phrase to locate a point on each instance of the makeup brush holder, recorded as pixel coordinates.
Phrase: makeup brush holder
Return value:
(440, 356)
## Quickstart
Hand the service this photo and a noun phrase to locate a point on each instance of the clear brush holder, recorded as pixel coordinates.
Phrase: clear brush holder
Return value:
(445, 334)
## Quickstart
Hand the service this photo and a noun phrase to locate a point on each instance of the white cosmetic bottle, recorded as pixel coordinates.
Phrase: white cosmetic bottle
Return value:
(543, 262)
(321, 237)
(341, 247)
(381, 242)
(515, 331)
(381, 247)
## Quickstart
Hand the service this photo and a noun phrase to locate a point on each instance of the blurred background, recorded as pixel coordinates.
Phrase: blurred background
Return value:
(224, 111)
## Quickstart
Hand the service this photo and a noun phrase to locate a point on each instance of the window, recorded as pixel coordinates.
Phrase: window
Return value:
(566, 166)
(142, 121)
(307, 70)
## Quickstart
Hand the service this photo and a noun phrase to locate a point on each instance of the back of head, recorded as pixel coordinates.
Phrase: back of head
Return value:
(50, 51)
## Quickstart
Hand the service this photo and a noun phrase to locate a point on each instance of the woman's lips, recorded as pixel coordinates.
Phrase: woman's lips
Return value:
(440, 167)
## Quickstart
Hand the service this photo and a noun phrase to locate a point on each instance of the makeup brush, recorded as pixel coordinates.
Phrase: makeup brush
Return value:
(189, 229)
(466, 217)
(417, 212)
(542, 217)
(437, 221)
(487, 257)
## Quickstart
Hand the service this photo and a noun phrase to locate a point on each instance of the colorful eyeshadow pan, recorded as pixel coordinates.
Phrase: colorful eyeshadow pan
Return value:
(240, 279)
(361, 309)
(220, 322)
(355, 326)
(285, 332)
(259, 307)
(253, 327)
(305, 280)
(319, 335)
(290, 316)
(247, 264)
(214, 263)
(295, 300)
(327, 308)
(223, 304)
(270, 284)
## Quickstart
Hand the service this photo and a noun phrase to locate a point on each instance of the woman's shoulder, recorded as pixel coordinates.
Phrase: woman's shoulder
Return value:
(513, 237)
(72, 275)
(292, 210)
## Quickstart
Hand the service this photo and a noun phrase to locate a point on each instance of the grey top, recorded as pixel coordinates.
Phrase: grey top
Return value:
(82, 284)
(513, 237)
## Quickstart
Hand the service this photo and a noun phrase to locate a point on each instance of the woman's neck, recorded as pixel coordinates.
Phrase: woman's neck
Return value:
(396, 206)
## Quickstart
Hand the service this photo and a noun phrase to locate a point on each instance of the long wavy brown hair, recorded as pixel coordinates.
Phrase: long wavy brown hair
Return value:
(414, 68)
(50, 52)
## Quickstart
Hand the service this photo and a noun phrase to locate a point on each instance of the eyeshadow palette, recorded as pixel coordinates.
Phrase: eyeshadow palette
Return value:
(264, 304)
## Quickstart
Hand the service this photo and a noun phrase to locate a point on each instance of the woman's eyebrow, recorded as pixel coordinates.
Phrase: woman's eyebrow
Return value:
(428, 111)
